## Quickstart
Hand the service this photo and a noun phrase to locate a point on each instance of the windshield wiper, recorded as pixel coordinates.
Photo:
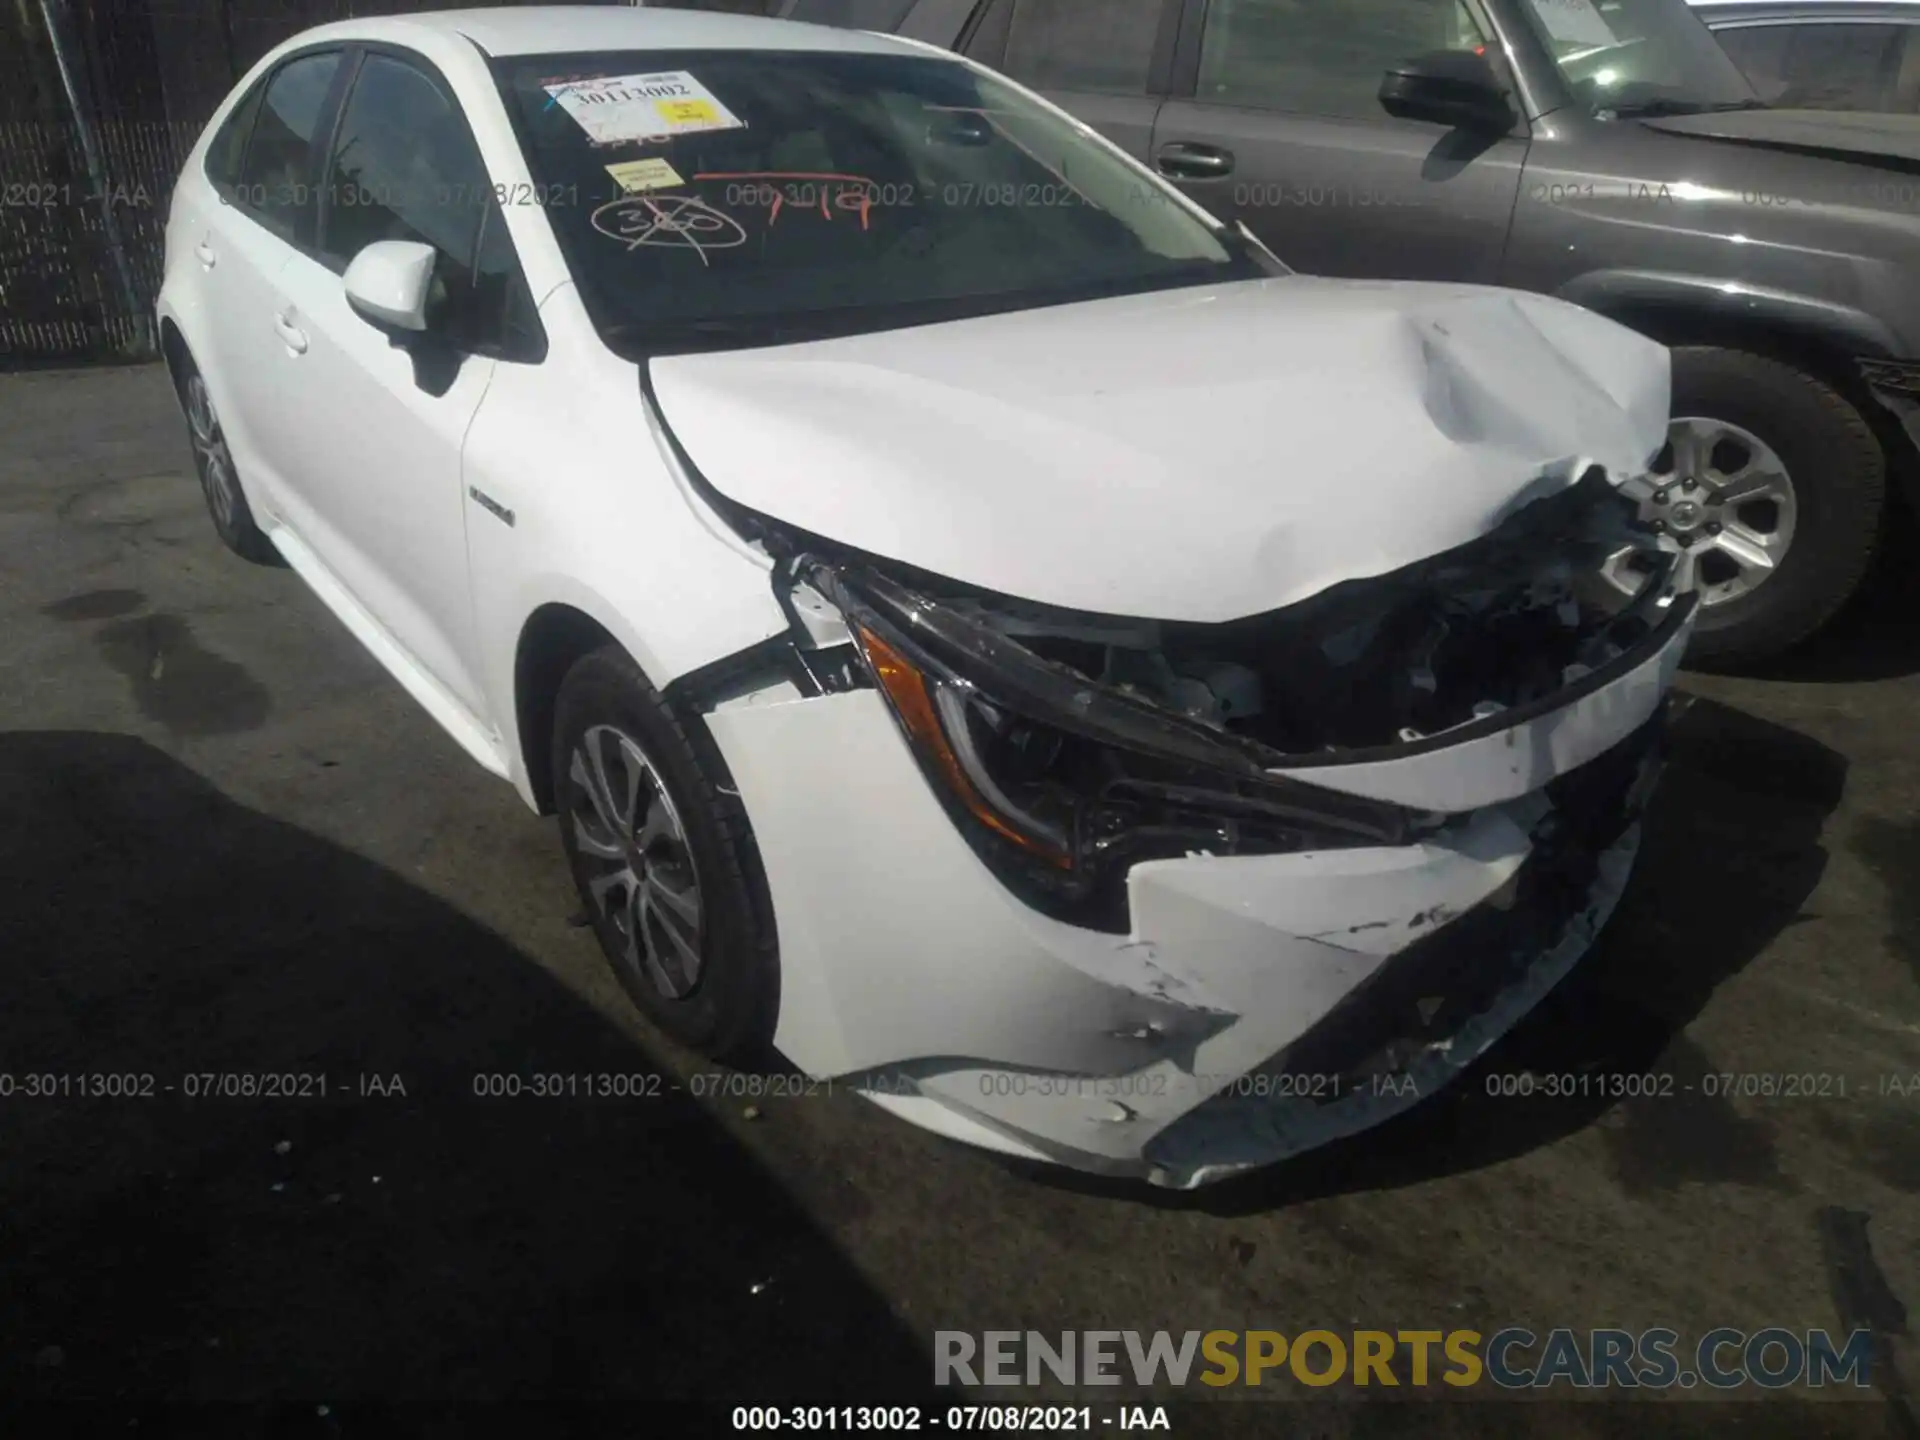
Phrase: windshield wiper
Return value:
(737, 331)
(1647, 108)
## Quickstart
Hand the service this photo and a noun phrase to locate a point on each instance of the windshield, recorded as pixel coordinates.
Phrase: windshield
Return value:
(1639, 57)
(715, 198)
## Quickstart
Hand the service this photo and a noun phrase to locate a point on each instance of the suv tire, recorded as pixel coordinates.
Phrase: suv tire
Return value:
(1838, 474)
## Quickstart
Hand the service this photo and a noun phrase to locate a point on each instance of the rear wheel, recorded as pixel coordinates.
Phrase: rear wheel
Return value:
(662, 858)
(219, 481)
(1773, 491)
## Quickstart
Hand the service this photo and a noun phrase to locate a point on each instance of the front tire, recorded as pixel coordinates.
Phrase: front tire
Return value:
(1784, 560)
(664, 863)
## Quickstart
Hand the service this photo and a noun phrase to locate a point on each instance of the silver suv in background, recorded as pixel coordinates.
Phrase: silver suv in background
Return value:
(1605, 151)
(1824, 54)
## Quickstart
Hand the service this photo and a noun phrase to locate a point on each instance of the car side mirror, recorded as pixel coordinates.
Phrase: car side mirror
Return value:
(390, 283)
(1456, 88)
(960, 128)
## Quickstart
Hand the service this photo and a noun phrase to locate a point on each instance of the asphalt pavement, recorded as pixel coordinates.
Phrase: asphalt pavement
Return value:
(232, 845)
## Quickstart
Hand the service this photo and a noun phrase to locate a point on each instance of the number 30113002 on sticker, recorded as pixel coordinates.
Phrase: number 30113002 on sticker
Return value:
(616, 109)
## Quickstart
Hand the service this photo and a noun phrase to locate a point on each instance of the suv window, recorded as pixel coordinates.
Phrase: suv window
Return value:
(276, 179)
(1823, 66)
(1102, 46)
(405, 167)
(1320, 57)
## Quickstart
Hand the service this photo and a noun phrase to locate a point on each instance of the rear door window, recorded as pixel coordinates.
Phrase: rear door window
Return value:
(276, 184)
(1093, 46)
(1320, 57)
(227, 151)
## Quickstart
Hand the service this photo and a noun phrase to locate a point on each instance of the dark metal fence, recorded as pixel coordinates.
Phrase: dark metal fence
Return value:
(100, 100)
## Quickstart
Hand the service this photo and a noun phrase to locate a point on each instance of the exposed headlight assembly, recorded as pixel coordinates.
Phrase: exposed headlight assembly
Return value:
(1061, 783)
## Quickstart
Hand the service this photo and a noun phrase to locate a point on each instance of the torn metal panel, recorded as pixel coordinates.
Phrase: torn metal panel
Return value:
(1243, 1130)
(1372, 901)
(1183, 1125)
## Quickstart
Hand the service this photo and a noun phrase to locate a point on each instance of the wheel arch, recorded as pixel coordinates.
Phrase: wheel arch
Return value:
(1823, 339)
(554, 636)
(181, 354)
(174, 353)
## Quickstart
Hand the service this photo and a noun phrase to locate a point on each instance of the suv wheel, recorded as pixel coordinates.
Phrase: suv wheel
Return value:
(662, 858)
(1774, 492)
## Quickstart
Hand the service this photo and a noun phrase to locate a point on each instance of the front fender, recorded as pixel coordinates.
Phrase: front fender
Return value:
(585, 507)
(540, 594)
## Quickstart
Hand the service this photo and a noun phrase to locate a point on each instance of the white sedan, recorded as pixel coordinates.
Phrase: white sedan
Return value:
(991, 634)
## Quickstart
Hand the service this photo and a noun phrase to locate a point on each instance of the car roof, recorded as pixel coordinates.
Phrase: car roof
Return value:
(559, 29)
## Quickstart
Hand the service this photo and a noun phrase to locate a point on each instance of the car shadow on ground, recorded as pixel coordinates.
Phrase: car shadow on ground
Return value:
(1731, 852)
(432, 1246)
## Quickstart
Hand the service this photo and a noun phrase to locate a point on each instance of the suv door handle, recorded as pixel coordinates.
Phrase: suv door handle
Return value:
(1184, 161)
(203, 252)
(293, 335)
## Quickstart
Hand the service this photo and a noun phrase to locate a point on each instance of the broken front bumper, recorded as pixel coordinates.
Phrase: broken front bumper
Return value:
(1259, 1006)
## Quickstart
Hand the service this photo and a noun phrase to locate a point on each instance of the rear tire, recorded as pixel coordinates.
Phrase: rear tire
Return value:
(219, 481)
(1838, 477)
(664, 862)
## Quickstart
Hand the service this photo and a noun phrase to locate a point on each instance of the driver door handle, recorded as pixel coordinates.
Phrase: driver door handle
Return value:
(1182, 160)
(203, 252)
(293, 335)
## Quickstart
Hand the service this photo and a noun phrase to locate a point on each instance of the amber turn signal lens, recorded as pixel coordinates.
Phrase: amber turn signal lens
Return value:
(906, 687)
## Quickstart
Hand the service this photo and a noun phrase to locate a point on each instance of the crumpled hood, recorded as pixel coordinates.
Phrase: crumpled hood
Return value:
(1892, 140)
(1199, 454)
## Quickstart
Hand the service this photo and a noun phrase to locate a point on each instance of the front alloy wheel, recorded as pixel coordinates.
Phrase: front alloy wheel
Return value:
(664, 860)
(635, 861)
(210, 456)
(219, 481)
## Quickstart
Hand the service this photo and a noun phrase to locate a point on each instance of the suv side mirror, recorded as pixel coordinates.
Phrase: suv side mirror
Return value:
(1456, 88)
(390, 283)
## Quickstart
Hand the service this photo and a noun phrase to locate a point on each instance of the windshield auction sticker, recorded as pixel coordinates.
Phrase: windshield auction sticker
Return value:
(620, 109)
(638, 176)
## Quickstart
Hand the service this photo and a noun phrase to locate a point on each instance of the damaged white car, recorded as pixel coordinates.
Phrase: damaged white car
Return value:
(988, 630)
